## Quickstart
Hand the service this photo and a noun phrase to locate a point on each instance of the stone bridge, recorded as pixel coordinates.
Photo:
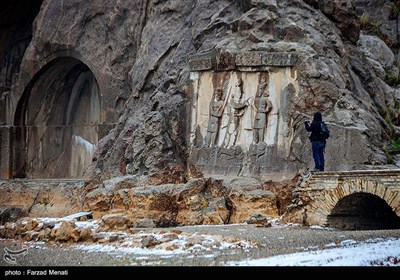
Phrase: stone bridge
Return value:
(366, 199)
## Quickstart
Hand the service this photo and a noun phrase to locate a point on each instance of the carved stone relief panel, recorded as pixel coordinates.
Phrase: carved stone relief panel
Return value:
(234, 108)
(239, 114)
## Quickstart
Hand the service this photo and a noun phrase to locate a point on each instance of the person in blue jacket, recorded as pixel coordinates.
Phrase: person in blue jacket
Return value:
(318, 141)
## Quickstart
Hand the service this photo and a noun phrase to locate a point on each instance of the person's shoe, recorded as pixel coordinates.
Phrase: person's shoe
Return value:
(315, 170)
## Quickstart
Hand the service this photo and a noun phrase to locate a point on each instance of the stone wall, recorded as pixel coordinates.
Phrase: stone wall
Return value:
(40, 198)
(199, 201)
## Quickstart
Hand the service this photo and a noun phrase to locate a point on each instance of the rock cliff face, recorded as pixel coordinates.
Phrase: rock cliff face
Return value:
(103, 89)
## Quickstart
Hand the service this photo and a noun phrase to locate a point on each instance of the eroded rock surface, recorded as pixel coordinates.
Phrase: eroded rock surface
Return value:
(134, 58)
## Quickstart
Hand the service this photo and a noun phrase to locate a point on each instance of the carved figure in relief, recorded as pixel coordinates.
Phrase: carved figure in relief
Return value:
(237, 109)
(262, 106)
(216, 109)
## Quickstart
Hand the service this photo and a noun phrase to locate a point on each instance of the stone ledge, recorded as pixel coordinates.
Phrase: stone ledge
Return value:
(356, 173)
(225, 60)
(202, 61)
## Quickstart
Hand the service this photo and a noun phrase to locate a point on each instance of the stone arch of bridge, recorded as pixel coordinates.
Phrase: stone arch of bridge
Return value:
(349, 187)
(56, 121)
(362, 211)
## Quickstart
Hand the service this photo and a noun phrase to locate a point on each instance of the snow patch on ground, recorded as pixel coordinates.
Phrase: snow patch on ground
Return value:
(374, 252)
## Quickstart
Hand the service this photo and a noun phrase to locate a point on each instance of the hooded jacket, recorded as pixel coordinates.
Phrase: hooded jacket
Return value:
(315, 128)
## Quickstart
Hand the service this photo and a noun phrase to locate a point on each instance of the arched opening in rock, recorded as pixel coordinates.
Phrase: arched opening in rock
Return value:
(57, 121)
(363, 211)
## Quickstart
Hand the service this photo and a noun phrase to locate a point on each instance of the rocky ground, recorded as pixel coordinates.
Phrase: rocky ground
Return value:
(183, 246)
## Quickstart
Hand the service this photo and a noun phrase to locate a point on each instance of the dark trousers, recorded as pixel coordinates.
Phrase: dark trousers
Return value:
(318, 148)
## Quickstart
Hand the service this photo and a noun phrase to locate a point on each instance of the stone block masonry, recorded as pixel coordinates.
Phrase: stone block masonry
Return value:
(330, 193)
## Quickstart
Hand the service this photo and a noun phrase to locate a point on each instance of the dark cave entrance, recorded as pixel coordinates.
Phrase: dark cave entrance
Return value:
(363, 211)
(56, 122)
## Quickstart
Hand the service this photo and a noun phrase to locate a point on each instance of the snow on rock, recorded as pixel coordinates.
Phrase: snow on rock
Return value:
(93, 236)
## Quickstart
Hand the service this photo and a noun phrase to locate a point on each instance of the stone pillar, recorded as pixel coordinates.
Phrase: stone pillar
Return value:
(5, 149)
(5, 134)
